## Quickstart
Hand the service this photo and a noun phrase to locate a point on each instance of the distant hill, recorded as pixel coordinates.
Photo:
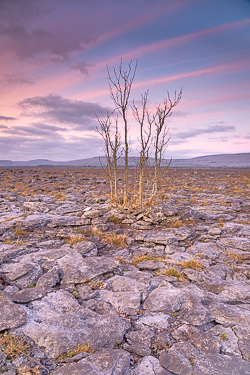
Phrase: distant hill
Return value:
(241, 160)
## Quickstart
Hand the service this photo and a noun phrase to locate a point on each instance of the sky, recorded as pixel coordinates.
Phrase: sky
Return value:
(53, 73)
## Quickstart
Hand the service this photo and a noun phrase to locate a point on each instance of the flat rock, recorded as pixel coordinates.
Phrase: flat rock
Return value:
(77, 269)
(149, 365)
(29, 294)
(12, 315)
(157, 237)
(58, 323)
(105, 362)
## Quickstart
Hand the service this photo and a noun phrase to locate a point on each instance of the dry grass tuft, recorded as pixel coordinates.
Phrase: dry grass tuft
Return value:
(83, 348)
(192, 263)
(116, 239)
(60, 197)
(74, 239)
(24, 370)
(233, 256)
(13, 346)
(114, 219)
(21, 232)
(141, 258)
(170, 272)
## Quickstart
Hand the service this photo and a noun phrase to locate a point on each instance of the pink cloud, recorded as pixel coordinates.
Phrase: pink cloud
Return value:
(181, 39)
(244, 64)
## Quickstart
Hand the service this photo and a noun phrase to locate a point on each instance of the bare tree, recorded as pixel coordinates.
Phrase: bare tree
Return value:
(120, 87)
(112, 147)
(145, 141)
(161, 134)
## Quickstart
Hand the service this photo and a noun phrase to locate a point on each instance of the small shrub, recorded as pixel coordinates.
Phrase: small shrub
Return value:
(33, 285)
(114, 219)
(223, 337)
(121, 260)
(97, 285)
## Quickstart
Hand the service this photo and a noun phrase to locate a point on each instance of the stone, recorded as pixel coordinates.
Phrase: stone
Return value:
(149, 365)
(86, 248)
(49, 279)
(124, 302)
(58, 323)
(240, 243)
(179, 358)
(29, 294)
(77, 269)
(12, 315)
(150, 265)
(12, 271)
(105, 362)
(207, 250)
(139, 342)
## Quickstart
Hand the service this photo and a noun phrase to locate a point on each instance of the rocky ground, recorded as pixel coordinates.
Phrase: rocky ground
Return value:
(90, 288)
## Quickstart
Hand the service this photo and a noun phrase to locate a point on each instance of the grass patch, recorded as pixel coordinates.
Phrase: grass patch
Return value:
(83, 348)
(116, 239)
(141, 258)
(192, 263)
(21, 232)
(170, 272)
(60, 197)
(13, 346)
(233, 256)
(74, 239)
(114, 219)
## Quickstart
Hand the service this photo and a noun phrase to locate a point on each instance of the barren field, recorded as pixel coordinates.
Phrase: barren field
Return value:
(88, 287)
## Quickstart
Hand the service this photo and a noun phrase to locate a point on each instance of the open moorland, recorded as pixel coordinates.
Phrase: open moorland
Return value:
(89, 287)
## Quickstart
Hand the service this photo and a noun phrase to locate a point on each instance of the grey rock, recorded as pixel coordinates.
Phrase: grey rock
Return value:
(2, 359)
(219, 364)
(11, 315)
(159, 237)
(139, 342)
(58, 323)
(207, 250)
(179, 358)
(77, 269)
(29, 294)
(243, 334)
(149, 365)
(12, 271)
(123, 302)
(49, 279)
(150, 265)
(104, 362)
(86, 248)
(240, 243)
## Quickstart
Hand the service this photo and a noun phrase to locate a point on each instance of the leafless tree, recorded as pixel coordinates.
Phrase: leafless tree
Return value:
(112, 150)
(120, 87)
(161, 138)
(145, 141)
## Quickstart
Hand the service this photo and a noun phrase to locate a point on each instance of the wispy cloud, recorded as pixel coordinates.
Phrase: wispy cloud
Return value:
(208, 130)
(183, 39)
(16, 79)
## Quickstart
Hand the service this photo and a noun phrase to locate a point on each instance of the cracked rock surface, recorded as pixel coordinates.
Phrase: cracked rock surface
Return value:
(93, 288)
